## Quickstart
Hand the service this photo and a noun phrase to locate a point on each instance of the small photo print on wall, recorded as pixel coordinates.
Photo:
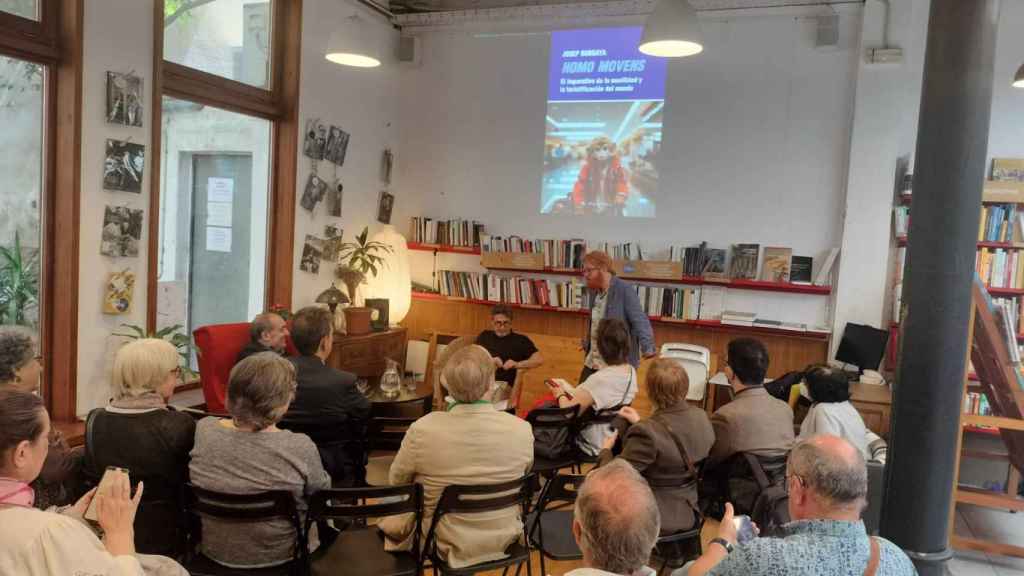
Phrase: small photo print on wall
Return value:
(384, 206)
(122, 231)
(312, 253)
(316, 189)
(119, 293)
(332, 249)
(124, 99)
(337, 146)
(332, 231)
(334, 195)
(123, 167)
(315, 141)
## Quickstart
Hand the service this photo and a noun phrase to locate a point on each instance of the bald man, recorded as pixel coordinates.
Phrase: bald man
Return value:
(827, 482)
(268, 333)
(616, 522)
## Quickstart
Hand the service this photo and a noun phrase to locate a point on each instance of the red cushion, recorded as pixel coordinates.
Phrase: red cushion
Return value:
(219, 345)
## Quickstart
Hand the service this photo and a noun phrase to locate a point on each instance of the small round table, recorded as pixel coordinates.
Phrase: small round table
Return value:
(380, 403)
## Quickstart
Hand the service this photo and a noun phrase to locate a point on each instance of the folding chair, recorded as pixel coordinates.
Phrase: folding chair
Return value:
(551, 523)
(675, 550)
(558, 423)
(696, 360)
(388, 424)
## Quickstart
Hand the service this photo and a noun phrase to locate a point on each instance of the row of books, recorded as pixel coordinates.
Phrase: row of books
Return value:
(455, 232)
(669, 302)
(1007, 313)
(997, 223)
(976, 403)
(699, 260)
(1012, 307)
(1000, 268)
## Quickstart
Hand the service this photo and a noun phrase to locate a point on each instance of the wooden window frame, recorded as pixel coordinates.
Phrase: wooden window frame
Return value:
(280, 105)
(55, 41)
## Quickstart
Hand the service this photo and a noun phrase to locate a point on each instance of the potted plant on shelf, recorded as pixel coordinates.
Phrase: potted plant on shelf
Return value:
(359, 259)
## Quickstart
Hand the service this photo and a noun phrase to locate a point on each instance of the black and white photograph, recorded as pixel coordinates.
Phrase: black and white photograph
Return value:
(334, 196)
(387, 161)
(315, 190)
(332, 249)
(384, 206)
(123, 166)
(332, 231)
(337, 146)
(122, 231)
(312, 252)
(124, 99)
(315, 140)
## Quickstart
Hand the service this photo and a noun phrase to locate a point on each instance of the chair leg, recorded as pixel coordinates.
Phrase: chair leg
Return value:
(504, 571)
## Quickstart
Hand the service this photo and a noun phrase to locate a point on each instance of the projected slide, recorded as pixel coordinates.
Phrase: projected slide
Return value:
(603, 137)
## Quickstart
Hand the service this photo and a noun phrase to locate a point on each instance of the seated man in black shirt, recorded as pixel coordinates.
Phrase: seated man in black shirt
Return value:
(268, 333)
(327, 406)
(509, 350)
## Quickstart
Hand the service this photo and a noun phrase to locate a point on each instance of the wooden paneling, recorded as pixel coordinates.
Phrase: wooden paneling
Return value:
(875, 406)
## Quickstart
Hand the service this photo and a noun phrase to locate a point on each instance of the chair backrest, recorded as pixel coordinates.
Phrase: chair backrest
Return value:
(553, 417)
(352, 503)
(442, 346)
(872, 513)
(561, 489)
(387, 433)
(696, 360)
(218, 346)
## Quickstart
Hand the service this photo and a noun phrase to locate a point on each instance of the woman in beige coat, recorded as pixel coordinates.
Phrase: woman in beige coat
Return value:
(471, 443)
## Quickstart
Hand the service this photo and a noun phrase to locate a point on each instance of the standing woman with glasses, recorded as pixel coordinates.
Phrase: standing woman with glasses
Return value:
(140, 432)
(21, 370)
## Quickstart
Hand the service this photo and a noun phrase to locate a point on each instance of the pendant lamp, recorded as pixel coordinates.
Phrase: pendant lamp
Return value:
(354, 44)
(1018, 79)
(672, 31)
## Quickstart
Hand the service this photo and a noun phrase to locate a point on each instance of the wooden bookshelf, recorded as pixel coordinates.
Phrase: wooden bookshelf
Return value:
(444, 248)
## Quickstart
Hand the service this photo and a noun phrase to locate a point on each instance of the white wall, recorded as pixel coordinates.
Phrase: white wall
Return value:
(1006, 135)
(364, 103)
(118, 38)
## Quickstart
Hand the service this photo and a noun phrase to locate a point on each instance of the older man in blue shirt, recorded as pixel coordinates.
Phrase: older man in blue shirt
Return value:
(828, 483)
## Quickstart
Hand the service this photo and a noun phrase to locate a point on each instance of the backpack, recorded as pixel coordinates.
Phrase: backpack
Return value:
(551, 443)
(771, 506)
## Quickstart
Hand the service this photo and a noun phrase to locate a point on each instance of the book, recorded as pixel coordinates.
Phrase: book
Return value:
(714, 267)
(822, 279)
(1008, 169)
(735, 318)
(776, 264)
(712, 301)
(743, 265)
(800, 269)
(766, 323)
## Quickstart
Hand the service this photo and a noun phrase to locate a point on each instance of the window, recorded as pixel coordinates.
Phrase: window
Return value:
(24, 8)
(22, 95)
(213, 217)
(228, 38)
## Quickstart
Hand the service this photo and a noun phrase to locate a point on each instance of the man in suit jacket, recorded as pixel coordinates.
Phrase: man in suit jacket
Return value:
(327, 406)
(471, 443)
(268, 333)
(614, 299)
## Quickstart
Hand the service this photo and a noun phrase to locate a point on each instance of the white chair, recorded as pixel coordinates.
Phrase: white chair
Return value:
(696, 360)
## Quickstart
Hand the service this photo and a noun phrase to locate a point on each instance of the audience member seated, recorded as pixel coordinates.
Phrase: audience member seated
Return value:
(667, 447)
(38, 543)
(472, 443)
(327, 406)
(509, 350)
(20, 369)
(269, 333)
(139, 432)
(828, 484)
(610, 387)
(615, 522)
(832, 412)
(249, 454)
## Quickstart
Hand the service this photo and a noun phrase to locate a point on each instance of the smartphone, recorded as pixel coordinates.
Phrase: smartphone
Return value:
(109, 475)
(744, 529)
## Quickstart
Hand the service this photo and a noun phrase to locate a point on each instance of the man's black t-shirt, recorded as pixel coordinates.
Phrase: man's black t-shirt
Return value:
(514, 347)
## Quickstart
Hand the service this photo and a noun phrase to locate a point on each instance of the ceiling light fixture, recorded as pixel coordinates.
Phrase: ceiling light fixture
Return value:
(353, 44)
(672, 31)
(1018, 79)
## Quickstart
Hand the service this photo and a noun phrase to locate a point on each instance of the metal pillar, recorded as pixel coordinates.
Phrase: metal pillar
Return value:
(949, 172)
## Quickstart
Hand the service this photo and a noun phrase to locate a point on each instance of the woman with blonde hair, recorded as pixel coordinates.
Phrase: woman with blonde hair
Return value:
(140, 432)
(667, 447)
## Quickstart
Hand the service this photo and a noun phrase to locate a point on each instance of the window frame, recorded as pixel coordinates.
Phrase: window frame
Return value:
(279, 105)
(55, 42)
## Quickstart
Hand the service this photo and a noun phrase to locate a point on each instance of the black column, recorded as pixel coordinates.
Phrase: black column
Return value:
(949, 173)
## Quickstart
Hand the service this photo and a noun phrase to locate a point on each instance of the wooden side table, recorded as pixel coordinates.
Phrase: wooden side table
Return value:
(365, 355)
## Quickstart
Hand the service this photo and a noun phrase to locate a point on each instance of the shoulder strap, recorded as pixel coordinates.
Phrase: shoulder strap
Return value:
(757, 470)
(875, 557)
(679, 446)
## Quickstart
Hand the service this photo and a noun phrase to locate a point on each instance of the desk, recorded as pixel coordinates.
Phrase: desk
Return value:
(365, 355)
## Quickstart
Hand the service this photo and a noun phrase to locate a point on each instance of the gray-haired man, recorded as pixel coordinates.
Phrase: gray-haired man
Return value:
(828, 484)
(268, 333)
(616, 522)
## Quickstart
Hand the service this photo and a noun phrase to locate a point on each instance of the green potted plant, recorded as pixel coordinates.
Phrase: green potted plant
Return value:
(358, 260)
(19, 282)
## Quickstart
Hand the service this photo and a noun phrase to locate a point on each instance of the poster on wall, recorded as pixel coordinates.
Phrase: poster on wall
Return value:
(119, 292)
(603, 125)
(123, 166)
(122, 231)
(124, 99)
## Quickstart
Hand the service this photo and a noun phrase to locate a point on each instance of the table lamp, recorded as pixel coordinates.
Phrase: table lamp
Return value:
(332, 297)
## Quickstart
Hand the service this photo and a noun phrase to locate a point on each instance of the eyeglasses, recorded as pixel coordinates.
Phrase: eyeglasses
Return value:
(502, 322)
(588, 271)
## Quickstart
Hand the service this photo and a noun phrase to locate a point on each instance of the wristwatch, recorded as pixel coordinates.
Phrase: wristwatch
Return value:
(723, 543)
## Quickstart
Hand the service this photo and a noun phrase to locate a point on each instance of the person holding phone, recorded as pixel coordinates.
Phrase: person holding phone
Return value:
(41, 543)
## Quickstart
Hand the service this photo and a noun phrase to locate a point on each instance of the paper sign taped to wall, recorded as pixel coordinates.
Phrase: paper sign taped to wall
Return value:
(218, 213)
(220, 189)
(218, 239)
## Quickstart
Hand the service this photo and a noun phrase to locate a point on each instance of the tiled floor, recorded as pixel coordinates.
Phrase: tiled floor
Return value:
(997, 525)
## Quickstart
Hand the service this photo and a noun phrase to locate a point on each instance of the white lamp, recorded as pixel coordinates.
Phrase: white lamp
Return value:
(354, 44)
(1018, 79)
(672, 31)
(393, 280)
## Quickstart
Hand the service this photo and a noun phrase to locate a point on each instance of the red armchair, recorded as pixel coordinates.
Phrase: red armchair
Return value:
(217, 347)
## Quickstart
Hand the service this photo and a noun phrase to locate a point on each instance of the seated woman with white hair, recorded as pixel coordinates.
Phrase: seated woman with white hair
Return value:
(471, 443)
(138, 431)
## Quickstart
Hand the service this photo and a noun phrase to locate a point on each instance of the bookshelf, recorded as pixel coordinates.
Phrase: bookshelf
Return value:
(420, 247)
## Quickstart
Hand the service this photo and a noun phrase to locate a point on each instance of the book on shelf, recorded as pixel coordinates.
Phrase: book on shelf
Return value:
(1006, 320)
(793, 326)
(743, 264)
(621, 251)
(1008, 169)
(456, 232)
(901, 220)
(567, 294)
(678, 303)
(557, 253)
(1012, 308)
(825, 272)
(766, 323)
(976, 403)
(776, 264)
(712, 302)
(1000, 268)
(800, 268)
(714, 263)
(997, 222)
(737, 318)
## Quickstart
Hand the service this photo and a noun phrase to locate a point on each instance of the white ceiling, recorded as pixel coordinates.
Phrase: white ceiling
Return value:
(405, 6)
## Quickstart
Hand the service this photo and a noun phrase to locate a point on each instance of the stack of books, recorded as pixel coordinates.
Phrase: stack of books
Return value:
(458, 232)
(735, 318)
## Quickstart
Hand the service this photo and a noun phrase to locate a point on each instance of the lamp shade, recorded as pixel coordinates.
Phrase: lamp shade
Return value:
(1018, 79)
(354, 44)
(393, 280)
(672, 31)
(332, 297)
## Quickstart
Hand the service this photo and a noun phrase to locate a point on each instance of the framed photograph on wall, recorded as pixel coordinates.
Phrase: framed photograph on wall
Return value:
(379, 314)
(123, 166)
(384, 206)
(124, 99)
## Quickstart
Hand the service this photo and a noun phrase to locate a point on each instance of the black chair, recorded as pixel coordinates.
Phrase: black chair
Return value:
(554, 422)
(673, 551)
(359, 551)
(476, 499)
(872, 513)
(240, 509)
(388, 424)
(551, 523)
